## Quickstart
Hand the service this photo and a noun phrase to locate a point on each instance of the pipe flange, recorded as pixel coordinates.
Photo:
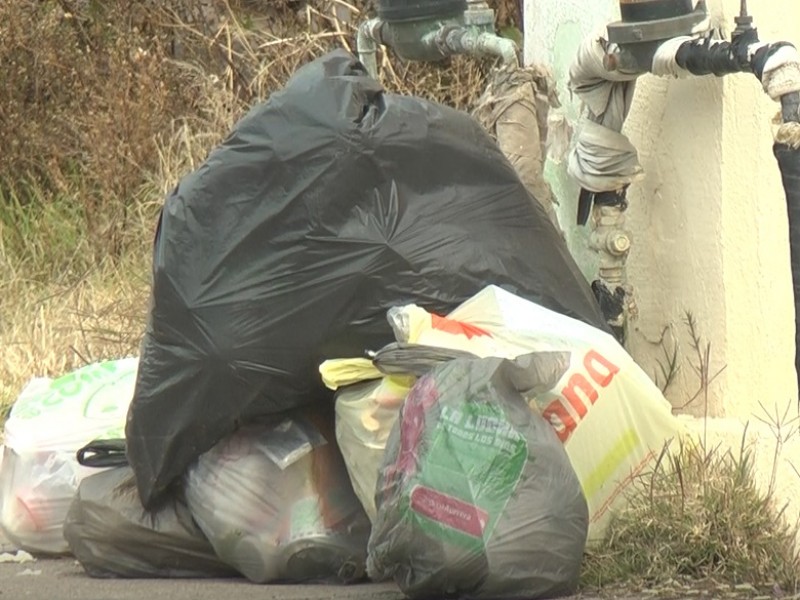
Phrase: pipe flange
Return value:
(479, 17)
(625, 32)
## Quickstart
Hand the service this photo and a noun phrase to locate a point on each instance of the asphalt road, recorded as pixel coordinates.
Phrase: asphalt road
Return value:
(64, 579)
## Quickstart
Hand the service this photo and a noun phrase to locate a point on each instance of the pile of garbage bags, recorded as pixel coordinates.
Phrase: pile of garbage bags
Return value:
(606, 411)
(369, 356)
(326, 205)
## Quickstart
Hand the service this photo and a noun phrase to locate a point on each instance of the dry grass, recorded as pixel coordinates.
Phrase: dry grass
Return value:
(52, 329)
(104, 106)
(699, 516)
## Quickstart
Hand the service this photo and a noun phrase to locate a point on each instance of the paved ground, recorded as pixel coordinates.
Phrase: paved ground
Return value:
(63, 579)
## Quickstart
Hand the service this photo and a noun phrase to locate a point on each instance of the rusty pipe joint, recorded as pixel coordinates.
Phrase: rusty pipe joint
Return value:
(368, 38)
(473, 41)
(619, 59)
(611, 241)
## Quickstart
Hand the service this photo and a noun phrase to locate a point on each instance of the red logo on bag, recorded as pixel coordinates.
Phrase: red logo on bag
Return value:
(457, 327)
(412, 425)
(579, 394)
(449, 511)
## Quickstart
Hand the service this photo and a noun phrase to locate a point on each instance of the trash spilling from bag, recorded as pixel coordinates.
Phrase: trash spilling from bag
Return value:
(369, 355)
(49, 422)
(326, 205)
(277, 505)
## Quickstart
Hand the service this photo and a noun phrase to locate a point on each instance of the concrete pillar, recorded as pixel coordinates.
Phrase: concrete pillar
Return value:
(709, 219)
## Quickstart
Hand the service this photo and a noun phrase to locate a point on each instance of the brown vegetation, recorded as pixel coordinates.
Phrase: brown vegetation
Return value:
(103, 107)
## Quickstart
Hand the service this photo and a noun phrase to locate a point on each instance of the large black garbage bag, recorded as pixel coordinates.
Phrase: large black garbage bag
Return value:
(111, 535)
(476, 496)
(324, 207)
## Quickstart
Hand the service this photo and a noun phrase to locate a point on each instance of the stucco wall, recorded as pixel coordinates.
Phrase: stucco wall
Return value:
(709, 219)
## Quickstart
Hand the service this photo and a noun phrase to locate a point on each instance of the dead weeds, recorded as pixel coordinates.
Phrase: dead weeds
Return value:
(104, 106)
(52, 329)
(698, 517)
(699, 521)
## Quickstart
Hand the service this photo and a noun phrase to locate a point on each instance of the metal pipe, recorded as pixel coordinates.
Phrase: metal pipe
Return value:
(472, 41)
(368, 37)
(491, 45)
(777, 66)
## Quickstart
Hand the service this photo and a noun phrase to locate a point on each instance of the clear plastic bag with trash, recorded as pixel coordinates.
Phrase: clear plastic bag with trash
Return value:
(277, 505)
(612, 419)
(36, 489)
(49, 422)
(476, 496)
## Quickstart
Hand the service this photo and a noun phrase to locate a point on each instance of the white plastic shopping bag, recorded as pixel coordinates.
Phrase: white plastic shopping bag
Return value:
(49, 422)
(613, 420)
(610, 416)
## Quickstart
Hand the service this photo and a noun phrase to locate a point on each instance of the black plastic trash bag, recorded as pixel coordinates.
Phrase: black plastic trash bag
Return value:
(277, 504)
(111, 535)
(325, 206)
(476, 496)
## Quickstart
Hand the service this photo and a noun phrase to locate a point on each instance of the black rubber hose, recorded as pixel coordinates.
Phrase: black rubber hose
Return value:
(701, 57)
(789, 163)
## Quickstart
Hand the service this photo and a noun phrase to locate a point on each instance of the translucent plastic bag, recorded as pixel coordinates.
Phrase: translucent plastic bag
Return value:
(36, 489)
(111, 535)
(476, 496)
(5, 543)
(277, 505)
(610, 416)
(365, 414)
(49, 422)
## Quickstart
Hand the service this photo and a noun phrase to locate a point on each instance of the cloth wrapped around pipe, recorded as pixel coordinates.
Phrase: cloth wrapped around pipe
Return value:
(515, 109)
(603, 158)
(325, 206)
